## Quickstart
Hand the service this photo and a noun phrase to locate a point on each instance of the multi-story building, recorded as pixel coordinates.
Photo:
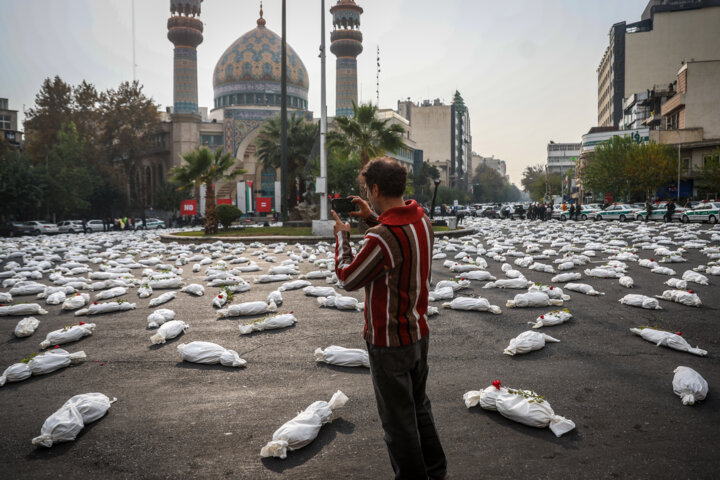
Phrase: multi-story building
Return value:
(562, 157)
(646, 53)
(491, 162)
(409, 153)
(442, 132)
(8, 124)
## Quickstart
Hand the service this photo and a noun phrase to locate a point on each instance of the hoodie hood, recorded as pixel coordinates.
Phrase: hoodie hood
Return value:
(410, 213)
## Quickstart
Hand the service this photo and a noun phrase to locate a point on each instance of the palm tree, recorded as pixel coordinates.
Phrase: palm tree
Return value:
(300, 139)
(202, 167)
(366, 135)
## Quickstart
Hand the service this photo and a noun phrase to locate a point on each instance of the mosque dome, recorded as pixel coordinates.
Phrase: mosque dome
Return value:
(248, 73)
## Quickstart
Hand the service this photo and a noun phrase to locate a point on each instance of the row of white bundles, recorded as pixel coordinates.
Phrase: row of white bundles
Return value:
(40, 365)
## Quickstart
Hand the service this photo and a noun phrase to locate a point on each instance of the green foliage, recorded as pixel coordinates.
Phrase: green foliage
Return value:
(365, 135)
(343, 170)
(535, 182)
(423, 182)
(227, 214)
(490, 186)
(628, 169)
(203, 167)
(710, 172)
(169, 195)
(43, 121)
(448, 195)
(300, 139)
(21, 185)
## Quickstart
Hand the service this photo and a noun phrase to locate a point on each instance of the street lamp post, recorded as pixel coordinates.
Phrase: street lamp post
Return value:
(283, 121)
(432, 210)
(678, 185)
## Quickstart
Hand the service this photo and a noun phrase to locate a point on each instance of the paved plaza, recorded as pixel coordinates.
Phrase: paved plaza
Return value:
(174, 419)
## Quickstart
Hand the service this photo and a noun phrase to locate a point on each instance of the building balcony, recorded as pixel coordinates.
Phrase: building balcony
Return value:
(673, 137)
(673, 103)
(654, 120)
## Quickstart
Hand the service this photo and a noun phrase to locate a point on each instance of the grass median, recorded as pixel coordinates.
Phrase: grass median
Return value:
(267, 232)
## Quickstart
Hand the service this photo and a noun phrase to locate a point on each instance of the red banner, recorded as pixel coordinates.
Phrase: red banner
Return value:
(188, 207)
(224, 201)
(263, 204)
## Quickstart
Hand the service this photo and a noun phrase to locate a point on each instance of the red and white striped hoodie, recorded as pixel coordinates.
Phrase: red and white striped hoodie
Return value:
(394, 266)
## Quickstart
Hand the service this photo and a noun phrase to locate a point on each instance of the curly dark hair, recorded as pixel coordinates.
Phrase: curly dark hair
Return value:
(387, 174)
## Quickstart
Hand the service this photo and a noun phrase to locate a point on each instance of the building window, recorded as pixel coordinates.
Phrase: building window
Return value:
(5, 122)
(685, 164)
(211, 141)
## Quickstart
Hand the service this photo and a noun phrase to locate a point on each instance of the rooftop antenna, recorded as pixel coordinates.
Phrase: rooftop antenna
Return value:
(133, 40)
(377, 80)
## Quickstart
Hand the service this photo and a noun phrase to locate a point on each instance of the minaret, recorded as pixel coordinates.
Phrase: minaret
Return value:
(346, 44)
(185, 32)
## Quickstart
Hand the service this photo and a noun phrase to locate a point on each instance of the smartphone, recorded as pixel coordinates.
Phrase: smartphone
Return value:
(343, 206)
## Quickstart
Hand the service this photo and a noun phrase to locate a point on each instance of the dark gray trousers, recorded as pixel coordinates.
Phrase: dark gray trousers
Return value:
(399, 375)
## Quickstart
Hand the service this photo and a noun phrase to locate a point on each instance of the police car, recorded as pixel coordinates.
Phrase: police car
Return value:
(620, 211)
(705, 212)
(586, 212)
(658, 213)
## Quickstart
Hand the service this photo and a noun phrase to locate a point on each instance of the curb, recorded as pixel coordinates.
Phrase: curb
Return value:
(170, 238)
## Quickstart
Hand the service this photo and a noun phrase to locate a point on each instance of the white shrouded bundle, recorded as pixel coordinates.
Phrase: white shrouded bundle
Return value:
(56, 298)
(474, 304)
(160, 316)
(458, 268)
(517, 283)
(76, 301)
(41, 364)
(663, 270)
(689, 385)
(302, 429)
(341, 303)
(522, 406)
(454, 284)
(65, 424)
(667, 339)
(164, 298)
(641, 301)
(27, 289)
(107, 307)
(68, 334)
(532, 299)
(268, 323)
(527, 342)
(271, 278)
(676, 283)
(26, 327)
(227, 281)
(566, 277)
(690, 276)
(552, 292)
(541, 267)
(194, 289)
(169, 330)
(250, 267)
(600, 272)
(247, 308)
(566, 266)
(7, 298)
(165, 283)
(647, 263)
(111, 293)
(583, 288)
(209, 354)
(283, 270)
(220, 299)
(239, 287)
(626, 281)
(682, 297)
(439, 256)
(481, 275)
(432, 311)
(345, 357)
(445, 293)
(316, 275)
(550, 319)
(144, 291)
(23, 309)
(714, 270)
(313, 291)
(276, 297)
(294, 285)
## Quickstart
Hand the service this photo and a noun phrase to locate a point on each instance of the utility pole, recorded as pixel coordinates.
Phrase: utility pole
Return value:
(133, 40)
(283, 121)
(322, 181)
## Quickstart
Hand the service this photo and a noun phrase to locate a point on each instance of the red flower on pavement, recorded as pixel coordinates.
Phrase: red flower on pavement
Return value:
(220, 296)
(678, 333)
(102, 364)
(551, 288)
(81, 323)
(652, 259)
(691, 291)
(496, 384)
(94, 303)
(56, 346)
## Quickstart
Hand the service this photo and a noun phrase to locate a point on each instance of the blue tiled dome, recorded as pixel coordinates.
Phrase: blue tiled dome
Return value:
(248, 73)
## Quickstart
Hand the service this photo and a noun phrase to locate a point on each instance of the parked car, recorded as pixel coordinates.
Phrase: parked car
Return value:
(621, 211)
(586, 211)
(70, 226)
(14, 229)
(150, 224)
(94, 226)
(658, 213)
(705, 212)
(37, 227)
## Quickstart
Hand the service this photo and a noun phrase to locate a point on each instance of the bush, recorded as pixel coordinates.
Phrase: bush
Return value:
(226, 214)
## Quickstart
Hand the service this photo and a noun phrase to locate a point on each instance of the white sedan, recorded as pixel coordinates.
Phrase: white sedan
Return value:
(706, 212)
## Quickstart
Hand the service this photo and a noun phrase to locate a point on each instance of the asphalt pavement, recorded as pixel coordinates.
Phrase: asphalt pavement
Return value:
(173, 419)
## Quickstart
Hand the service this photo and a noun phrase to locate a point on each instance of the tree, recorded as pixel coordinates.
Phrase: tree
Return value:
(423, 182)
(490, 186)
(43, 121)
(300, 139)
(710, 172)
(203, 167)
(21, 185)
(169, 195)
(535, 182)
(343, 170)
(649, 167)
(366, 135)
(227, 214)
(448, 196)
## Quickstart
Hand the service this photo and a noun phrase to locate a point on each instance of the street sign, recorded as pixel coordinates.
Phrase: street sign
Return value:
(188, 207)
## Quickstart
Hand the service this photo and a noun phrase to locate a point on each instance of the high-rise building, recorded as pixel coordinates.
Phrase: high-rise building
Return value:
(562, 157)
(346, 44)
(643, 54)
(8, 124)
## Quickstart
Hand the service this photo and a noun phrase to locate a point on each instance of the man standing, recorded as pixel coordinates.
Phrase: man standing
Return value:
(394, 266)
(670, 211)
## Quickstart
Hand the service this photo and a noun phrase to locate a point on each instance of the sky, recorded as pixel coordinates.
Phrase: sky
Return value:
(527, 69)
